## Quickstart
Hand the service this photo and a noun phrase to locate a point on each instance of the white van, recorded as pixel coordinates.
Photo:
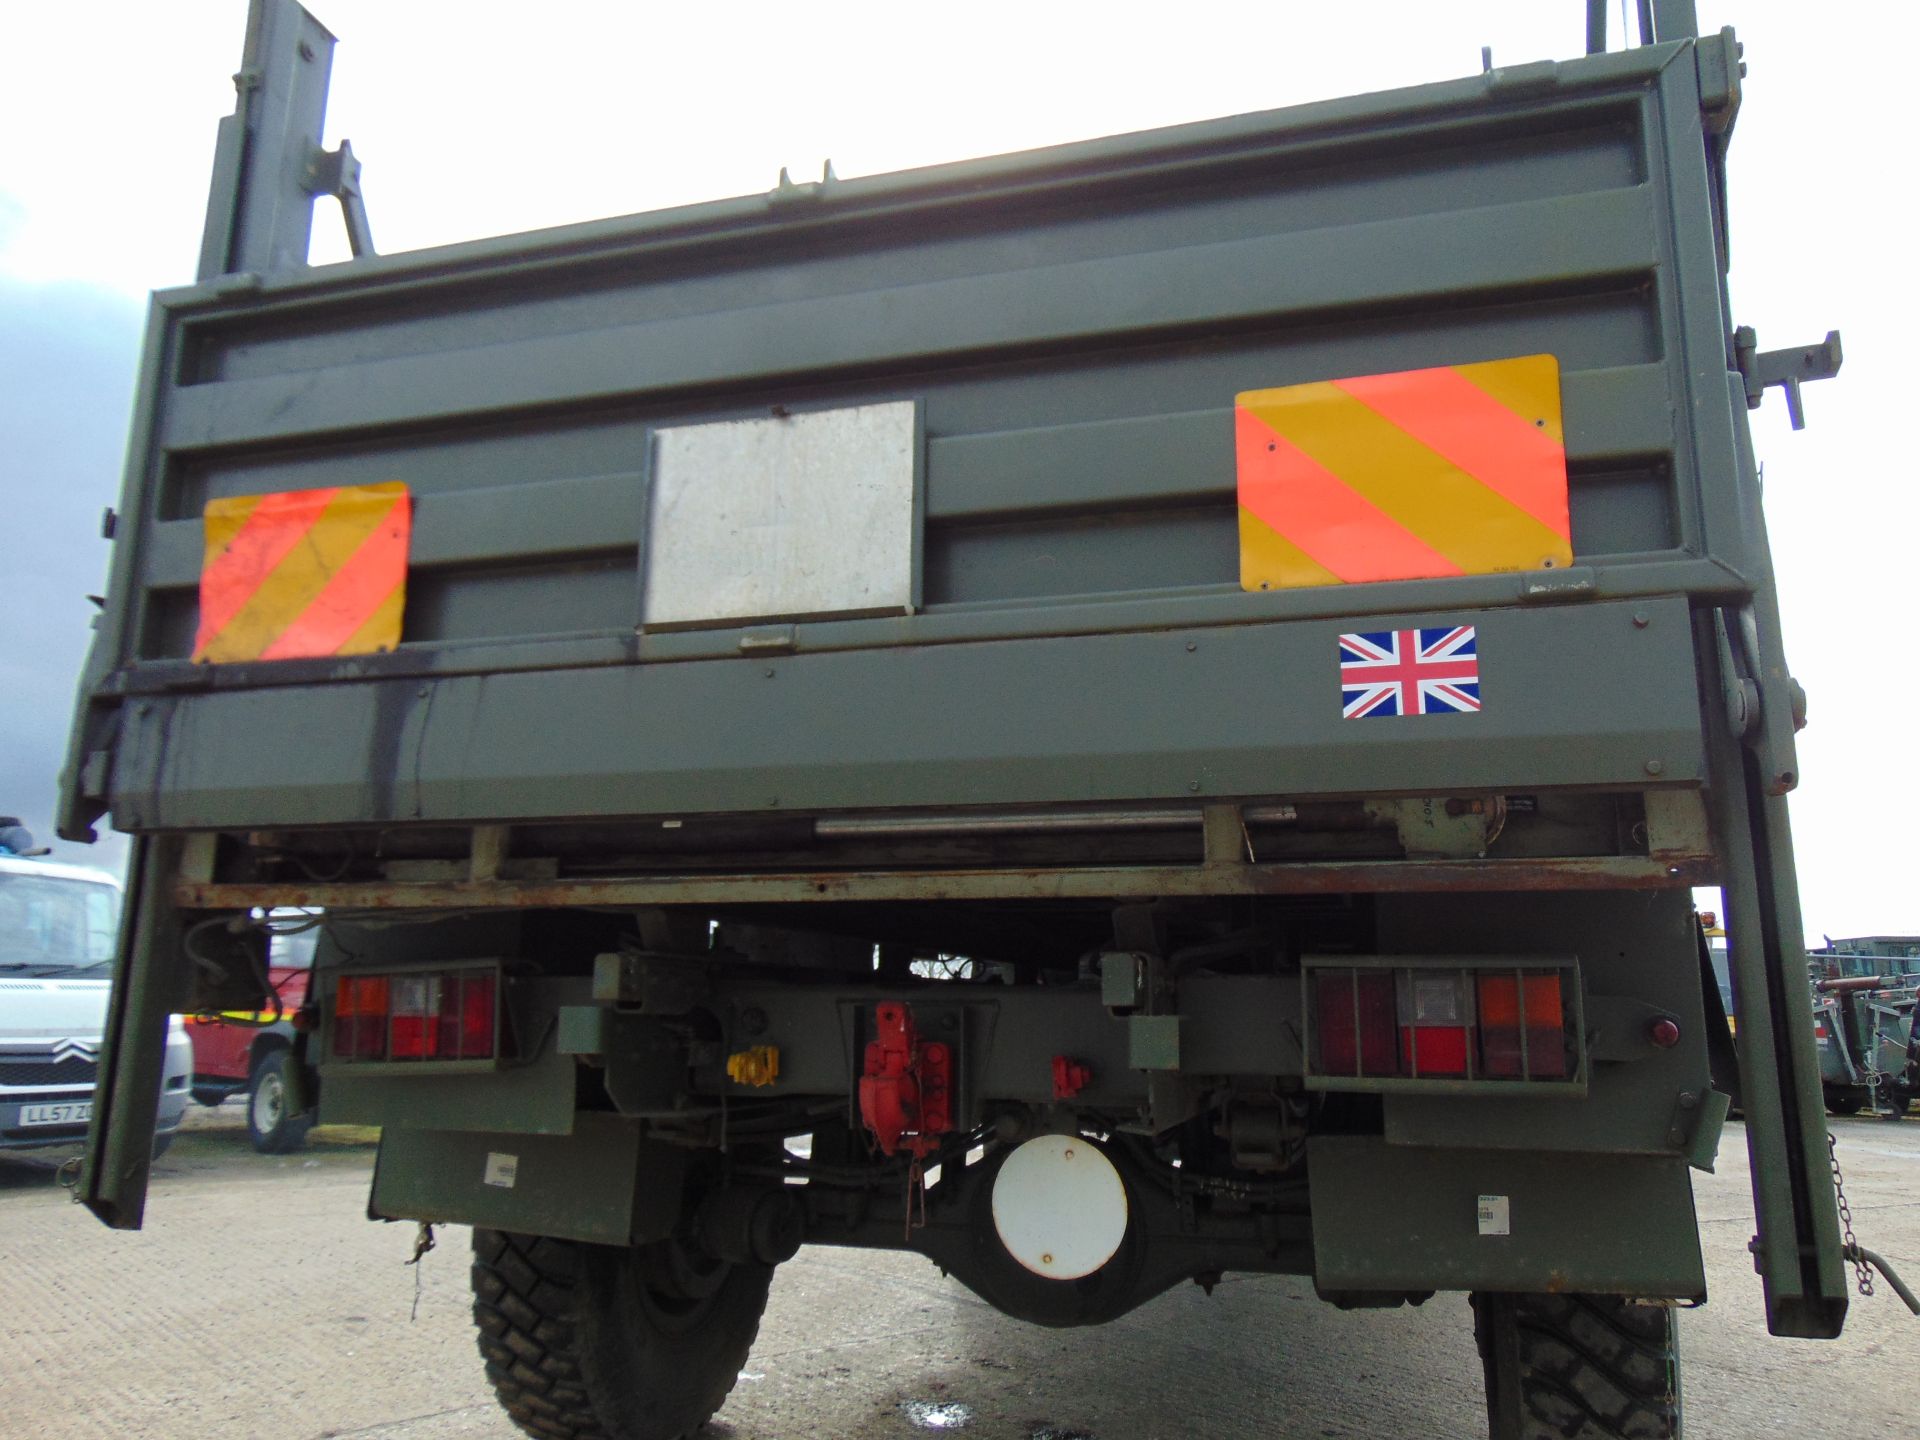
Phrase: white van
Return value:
(57, 929)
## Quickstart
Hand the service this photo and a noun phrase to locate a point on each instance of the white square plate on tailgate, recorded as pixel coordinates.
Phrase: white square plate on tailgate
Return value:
(804, 515)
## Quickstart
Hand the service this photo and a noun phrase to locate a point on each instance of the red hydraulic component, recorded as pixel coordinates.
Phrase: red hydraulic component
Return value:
(1070, 1077)
(906, 1086)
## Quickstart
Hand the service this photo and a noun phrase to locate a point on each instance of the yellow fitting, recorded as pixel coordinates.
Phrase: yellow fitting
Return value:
(758, 1066)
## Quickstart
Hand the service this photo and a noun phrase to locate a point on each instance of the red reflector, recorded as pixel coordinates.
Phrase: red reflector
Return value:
(1356, 1022)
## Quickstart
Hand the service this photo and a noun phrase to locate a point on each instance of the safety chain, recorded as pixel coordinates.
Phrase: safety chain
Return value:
(1863, 1276)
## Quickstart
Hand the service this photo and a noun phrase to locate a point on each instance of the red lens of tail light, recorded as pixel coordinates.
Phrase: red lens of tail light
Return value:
(415, 1017)
(1356, 1022)
(1436, 1022)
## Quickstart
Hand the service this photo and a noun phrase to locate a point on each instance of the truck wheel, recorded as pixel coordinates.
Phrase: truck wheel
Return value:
(595, 1342)
(1844, 1102)
(1578, 1367)
(272, 1126)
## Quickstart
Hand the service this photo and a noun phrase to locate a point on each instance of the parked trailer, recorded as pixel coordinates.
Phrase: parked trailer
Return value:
(1863, 1028)
(1275, 611)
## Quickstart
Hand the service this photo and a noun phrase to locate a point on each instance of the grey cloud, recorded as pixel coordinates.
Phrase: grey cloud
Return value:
(67, 359)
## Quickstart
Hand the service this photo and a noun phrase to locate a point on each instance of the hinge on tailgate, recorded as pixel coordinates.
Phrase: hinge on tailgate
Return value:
(1786, 368)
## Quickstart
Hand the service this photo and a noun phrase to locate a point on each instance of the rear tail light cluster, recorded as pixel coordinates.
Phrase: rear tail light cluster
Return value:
(418, 1015)
(1373, 1025)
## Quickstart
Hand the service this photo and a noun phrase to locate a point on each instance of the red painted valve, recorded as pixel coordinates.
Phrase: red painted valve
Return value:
(1070, 1077)
(906, 1085)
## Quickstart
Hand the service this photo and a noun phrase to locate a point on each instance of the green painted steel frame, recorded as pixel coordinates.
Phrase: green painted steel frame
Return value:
(1684, 94)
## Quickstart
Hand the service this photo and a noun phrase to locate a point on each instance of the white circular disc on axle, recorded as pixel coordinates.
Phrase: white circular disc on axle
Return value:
(1060, 1206)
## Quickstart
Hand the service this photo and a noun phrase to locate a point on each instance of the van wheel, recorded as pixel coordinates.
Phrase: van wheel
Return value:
(271, 1123)
(1578, 1367)
(596, 1342)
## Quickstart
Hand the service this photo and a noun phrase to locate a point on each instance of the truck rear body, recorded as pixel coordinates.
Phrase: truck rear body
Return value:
(972, 789)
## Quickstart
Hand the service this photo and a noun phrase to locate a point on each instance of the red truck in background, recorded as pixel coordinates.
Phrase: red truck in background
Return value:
(235, 1052)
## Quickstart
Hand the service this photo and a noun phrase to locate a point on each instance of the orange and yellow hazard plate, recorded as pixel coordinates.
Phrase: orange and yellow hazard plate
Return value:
(304, 573)
(1457, 470)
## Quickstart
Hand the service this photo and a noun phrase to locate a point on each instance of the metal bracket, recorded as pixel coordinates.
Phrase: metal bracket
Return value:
(1788, 369)
(337, 173)
(1742, 696)
(650, 984)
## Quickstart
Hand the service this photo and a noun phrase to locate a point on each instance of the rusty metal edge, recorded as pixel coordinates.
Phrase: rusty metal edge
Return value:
(1364, 877)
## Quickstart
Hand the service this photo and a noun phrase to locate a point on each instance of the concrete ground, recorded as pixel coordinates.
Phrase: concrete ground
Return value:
(259, 1302)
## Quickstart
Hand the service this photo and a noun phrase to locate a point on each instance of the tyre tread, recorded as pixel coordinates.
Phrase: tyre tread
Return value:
(532, 1311)
(1588, 1367)
(523, 1309)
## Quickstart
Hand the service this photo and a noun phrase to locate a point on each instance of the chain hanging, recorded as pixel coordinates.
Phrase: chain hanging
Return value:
(1863, 1276)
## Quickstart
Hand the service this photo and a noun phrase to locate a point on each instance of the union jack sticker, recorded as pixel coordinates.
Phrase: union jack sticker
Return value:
(1409, 672)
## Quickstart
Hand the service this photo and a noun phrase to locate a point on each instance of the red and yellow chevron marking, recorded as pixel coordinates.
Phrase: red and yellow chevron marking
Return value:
(1460, 470)
(304, 573)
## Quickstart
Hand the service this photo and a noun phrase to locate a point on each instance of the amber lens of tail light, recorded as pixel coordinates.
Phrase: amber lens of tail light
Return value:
(1528, 1002)
(360, 1018)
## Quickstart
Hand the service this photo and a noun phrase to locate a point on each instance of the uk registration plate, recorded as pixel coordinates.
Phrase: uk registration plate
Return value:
(71, 1112)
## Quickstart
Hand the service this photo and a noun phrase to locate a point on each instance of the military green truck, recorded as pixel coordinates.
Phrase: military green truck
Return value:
(1106, 716)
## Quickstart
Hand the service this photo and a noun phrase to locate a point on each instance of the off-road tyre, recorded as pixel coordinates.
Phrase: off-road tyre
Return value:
(591, 1342)
(1578, 1367)
(1845, 1102)
(271, 1124)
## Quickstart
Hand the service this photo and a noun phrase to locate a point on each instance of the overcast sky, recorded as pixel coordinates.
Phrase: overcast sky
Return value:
(475, 119)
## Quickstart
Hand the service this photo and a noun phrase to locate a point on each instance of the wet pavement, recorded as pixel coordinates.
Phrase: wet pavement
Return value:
(260, 1302)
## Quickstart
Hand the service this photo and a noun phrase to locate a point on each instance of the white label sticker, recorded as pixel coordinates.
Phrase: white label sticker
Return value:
(1493, 1215)
(501, 1170)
